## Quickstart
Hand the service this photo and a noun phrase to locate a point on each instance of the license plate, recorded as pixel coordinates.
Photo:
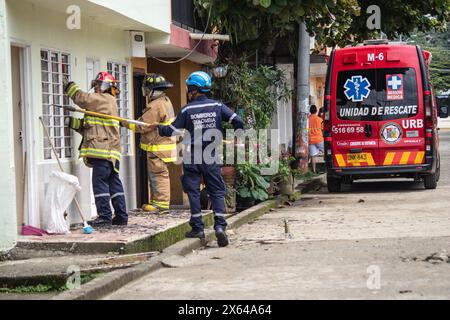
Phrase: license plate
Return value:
(357, 157)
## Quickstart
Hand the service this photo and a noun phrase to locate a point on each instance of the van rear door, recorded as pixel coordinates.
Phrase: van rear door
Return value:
(354, 129)
(402, 120)
(378, 119)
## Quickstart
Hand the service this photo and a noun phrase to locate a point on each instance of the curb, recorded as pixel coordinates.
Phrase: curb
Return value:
(115, 280)
(156, 242)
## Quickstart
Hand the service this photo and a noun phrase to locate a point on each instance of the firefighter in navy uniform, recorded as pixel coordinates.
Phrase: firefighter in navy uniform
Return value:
(160, 150)
(100, 147)
(197, 117)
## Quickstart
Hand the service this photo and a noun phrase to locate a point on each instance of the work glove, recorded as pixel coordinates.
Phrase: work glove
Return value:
(68, 122)
(67, 84)
(74, 123)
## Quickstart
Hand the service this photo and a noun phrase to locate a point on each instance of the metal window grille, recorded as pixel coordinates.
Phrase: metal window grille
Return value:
(54, 66)
(121, 73)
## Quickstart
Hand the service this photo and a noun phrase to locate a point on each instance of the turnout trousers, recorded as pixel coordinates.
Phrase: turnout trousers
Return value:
(159, 180)
(108, 188)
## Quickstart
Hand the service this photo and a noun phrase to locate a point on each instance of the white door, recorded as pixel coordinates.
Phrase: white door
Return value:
(284, 111)
(19, 157)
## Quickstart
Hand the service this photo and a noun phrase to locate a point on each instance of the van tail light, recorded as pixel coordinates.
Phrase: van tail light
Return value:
(429, 123)
(327, 130)
(327, 116)
(428, 104)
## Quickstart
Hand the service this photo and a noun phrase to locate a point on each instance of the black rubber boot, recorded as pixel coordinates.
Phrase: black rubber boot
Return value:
(195, 234)
(222, 238)
(100, 223)
(116, 221)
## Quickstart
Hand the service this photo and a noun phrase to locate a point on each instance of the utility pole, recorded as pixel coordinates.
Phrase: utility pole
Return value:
(303, 87)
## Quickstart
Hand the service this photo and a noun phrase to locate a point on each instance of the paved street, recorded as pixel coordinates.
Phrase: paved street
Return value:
(387, 239)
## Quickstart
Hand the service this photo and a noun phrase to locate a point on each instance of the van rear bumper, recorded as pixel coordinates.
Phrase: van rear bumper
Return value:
(380, 171)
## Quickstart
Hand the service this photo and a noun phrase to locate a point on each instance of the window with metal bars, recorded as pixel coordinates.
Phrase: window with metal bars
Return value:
(54, 66)
(121, 73)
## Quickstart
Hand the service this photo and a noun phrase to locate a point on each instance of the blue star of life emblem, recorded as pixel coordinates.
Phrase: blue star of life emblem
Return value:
(357, 88)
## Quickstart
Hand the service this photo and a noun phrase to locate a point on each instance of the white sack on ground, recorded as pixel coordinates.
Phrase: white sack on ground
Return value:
(61, 191)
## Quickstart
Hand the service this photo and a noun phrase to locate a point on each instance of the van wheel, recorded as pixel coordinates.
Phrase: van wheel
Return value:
(334, 184)
(430, 181)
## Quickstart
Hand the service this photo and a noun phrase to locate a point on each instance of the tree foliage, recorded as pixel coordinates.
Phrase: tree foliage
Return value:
(255, 90)
(334, 22)
(438, 43)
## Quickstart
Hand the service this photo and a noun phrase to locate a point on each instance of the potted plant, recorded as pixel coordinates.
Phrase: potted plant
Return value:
(230, 200)
(251, 186)
(229, 175)
(284, 177)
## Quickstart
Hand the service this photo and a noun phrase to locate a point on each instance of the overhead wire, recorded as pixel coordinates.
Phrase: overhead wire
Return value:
(194, 49)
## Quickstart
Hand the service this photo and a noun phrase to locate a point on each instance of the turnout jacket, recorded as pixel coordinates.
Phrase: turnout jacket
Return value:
(101, 137)
(159, 111)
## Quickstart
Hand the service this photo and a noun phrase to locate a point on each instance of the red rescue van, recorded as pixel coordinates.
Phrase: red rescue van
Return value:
(380, 115)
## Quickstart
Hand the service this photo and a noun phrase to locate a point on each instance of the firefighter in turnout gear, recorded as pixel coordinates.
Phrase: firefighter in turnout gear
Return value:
(199, 116)
(160, 150)
(100, 147)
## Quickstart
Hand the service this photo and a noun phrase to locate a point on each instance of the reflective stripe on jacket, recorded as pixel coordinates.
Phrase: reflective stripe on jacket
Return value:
(160, 111)
(101, 137)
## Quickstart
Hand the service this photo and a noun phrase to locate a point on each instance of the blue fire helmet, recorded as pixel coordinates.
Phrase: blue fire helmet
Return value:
(200, 81)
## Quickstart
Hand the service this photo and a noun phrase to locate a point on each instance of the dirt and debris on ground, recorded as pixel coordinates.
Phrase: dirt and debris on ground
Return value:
(394, 245)
(59, 265)
(141, 224)
(29, 269)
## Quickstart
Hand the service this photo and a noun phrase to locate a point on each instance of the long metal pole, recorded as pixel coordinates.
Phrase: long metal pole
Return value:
(102, 115)
(60, 165)
(303, 91)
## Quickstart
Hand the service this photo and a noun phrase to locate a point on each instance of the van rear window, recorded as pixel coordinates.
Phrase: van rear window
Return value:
(377, 94)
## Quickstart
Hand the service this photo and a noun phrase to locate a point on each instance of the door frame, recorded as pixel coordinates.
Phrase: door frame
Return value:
(142, 189)
(31, 206)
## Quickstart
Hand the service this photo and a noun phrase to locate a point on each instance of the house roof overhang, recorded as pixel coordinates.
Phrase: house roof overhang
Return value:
(102, 14)
(179, 44)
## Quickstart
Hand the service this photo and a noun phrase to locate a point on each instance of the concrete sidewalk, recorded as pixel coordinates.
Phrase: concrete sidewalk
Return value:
(145, 232)
(115, 253)
(101, 287)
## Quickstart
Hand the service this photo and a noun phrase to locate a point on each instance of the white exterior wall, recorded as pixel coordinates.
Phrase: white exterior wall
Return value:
(282, 118)
(39, 29)
(154, 13)
(8, 224)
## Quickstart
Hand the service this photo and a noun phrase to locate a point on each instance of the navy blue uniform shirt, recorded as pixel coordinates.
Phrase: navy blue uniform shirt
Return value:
(201, 114)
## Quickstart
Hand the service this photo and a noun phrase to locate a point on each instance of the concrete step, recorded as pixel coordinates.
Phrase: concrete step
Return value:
(145, 232)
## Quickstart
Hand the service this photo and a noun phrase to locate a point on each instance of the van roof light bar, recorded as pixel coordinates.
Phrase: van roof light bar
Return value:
(376, 42)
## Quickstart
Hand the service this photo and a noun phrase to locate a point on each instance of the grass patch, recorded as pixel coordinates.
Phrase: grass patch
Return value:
(49, 287)
(88, 277)
(40, 288)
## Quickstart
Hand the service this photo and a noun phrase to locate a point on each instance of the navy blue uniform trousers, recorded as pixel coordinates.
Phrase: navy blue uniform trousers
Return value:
(108, 187)
(215, 186)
